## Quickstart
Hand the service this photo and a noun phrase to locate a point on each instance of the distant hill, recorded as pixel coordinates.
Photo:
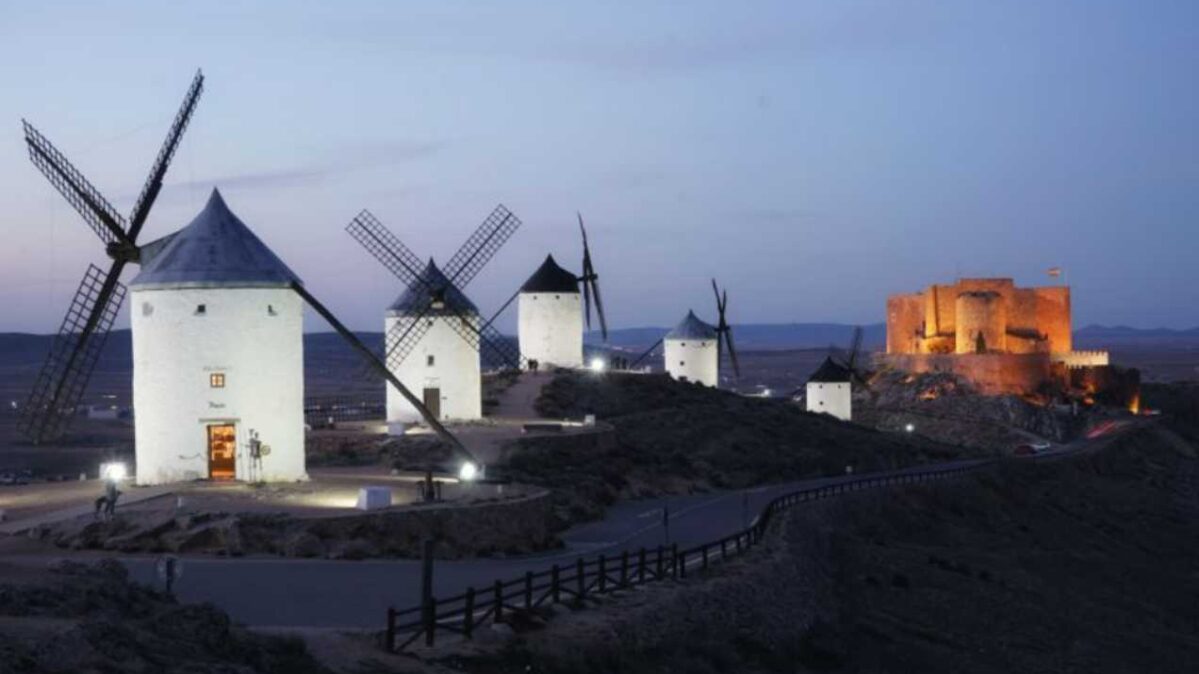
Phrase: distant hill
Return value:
(1103, 336)
(326, 349)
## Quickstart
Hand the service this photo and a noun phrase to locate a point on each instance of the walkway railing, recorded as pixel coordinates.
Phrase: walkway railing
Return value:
(465, 613)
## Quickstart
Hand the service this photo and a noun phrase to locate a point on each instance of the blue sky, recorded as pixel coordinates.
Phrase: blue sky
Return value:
(814, 156)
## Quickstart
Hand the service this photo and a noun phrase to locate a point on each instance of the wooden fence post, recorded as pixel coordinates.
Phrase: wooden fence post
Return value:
(499, 601)
(468, 613)
(602, 583)
(390, 644)
(581, 579)
(528, 590)
(641, 566)
(555, 588)
(624, 568)
(674, 560)
(430, 620)
(658, 563)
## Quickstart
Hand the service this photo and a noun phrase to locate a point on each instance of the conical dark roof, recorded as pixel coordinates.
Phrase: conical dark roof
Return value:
(551, 278)
(692, 328)
(216, 249)
(831, 372)
(414, 300)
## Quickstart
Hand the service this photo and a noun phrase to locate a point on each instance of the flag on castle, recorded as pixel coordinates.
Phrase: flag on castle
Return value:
(1055, 272)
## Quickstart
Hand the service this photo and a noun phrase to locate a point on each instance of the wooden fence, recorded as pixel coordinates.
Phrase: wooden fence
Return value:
(465, 613)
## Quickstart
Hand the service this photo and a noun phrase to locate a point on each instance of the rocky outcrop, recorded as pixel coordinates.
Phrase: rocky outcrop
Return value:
(498, 528)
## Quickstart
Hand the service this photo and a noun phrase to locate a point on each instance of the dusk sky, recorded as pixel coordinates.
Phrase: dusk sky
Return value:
(814, 156)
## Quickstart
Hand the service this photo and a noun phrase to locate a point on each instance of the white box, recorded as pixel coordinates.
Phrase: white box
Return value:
(374, 498)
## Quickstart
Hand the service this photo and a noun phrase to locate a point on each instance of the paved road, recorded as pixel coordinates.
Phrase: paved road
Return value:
(322, 593)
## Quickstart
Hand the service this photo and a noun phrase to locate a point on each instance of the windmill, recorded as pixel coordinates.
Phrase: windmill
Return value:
(75, 350)
(214, 263)
(433, 306)
(829, 389)
(550, 324)
(692, 350)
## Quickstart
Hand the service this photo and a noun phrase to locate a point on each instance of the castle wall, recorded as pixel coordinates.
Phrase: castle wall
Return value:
(980, 313)
(905, 323)
(991, 373)
(1053, 317)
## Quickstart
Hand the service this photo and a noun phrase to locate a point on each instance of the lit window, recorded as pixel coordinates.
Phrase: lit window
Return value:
(216, 380)
(430, 360)
(201, 309)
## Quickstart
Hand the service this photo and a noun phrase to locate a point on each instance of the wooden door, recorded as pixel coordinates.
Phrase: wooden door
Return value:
(433, 402)
(222, 452)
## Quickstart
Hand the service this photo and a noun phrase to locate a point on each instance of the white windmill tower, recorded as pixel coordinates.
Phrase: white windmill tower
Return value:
(218, 356)
(829, 389)
(433, 334)
(551, 312)
(691, 351)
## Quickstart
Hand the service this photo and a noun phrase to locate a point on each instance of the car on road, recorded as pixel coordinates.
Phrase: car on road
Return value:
(1024, 450)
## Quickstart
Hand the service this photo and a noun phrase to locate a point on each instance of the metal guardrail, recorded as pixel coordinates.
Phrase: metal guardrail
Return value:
(464, 613)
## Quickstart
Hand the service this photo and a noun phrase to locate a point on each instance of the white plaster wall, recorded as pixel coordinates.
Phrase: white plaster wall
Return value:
(262, 357)
(697, 360)
(455, 371)
(833, 398)
(550, 328)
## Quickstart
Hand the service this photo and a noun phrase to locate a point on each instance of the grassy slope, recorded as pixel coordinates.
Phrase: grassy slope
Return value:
(674, 437)
(1084, 565)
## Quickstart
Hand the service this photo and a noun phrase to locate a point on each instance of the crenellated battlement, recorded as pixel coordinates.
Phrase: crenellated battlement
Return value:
(1078, 359)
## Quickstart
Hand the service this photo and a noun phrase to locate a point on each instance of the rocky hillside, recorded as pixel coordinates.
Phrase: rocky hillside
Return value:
(672, 437)
(944, 406)
(1080, 565)
(77, 618)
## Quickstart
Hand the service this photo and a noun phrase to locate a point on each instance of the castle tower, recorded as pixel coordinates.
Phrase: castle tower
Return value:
(217, 356)
(551, 317)
(981, 322)
(442, 368)
(691, 352)
(830, 391)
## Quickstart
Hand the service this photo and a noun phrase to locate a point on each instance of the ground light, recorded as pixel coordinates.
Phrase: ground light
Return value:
(113, 472)
(468, 472)
(909, 428)
(598, 364)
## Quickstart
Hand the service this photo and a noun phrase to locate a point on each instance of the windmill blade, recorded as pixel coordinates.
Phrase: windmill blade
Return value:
(483, 338)
(591, 284)
(599, 310)
(586, 299)
(646, 353)
(386, 247)
(162, 162)
(384, 372)
(728, 342)
(73, 354)
(104, 220)
(500, 311)
(404, 335)
(719, 304)
(855, 347)
(478, 250)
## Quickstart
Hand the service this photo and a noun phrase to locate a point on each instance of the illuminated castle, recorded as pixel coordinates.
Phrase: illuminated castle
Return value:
(1003, 338)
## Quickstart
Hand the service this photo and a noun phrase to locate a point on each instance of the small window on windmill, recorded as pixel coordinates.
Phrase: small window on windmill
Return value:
(216, 380)
(270, 310)
(682, 343)
(147, 308)
(429, 360)
(557, 297)
(201, 309)
(682, 363)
